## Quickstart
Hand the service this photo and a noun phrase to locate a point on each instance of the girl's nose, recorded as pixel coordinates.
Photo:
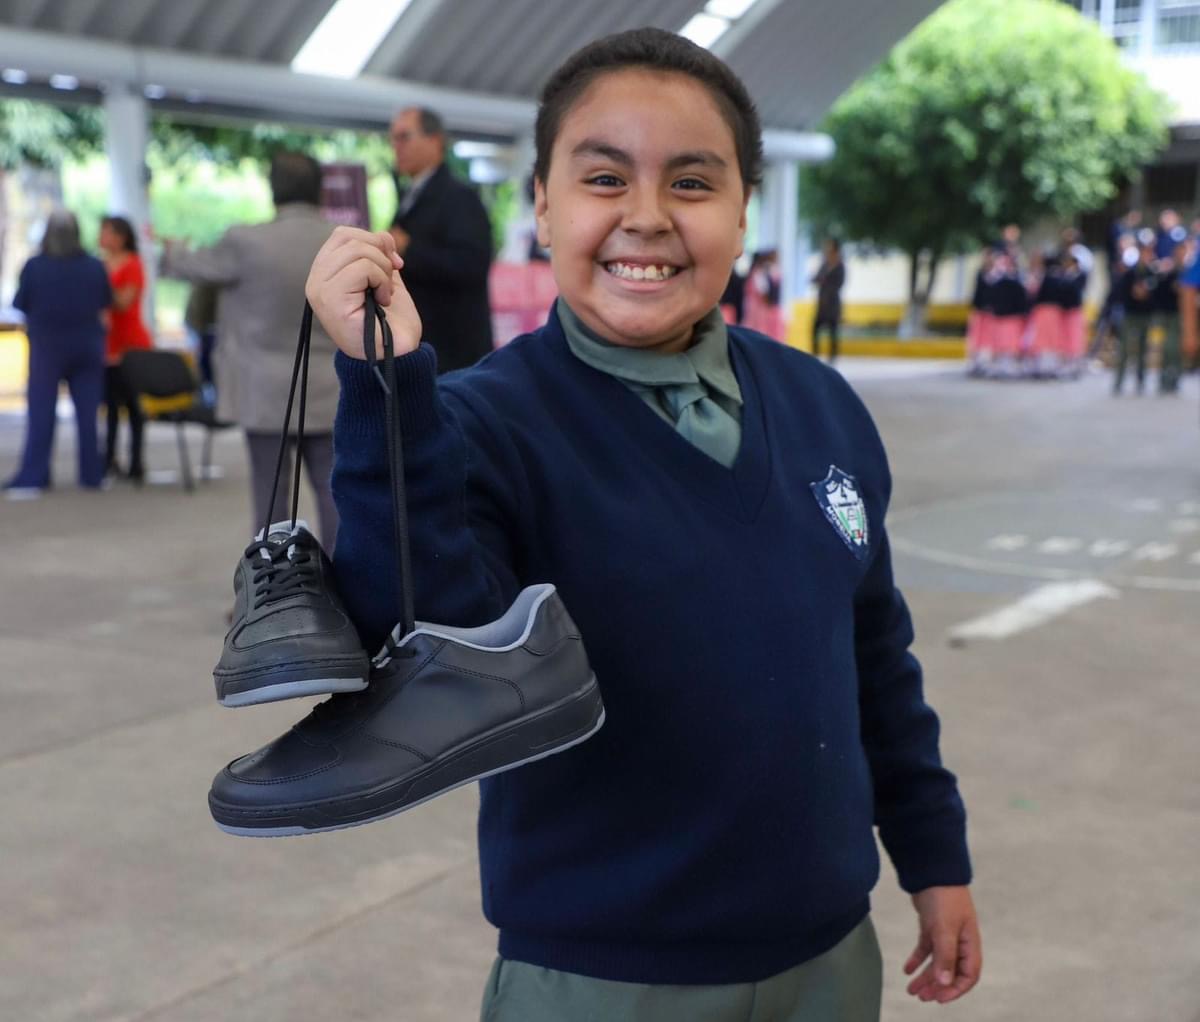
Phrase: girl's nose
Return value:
(645, 212)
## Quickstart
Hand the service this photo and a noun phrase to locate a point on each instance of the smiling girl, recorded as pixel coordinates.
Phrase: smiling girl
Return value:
(710, 504)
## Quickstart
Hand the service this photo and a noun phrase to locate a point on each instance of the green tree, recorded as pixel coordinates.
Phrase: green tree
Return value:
(990, 112)
(44, 136)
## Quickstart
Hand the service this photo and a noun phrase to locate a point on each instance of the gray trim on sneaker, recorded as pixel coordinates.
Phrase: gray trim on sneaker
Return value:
(293, 690)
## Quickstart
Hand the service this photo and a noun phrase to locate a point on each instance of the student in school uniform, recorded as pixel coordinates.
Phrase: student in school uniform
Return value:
(979, 319)
(1045, 334)
(1072, 284)
(712, 845)
(1010, 312)
(1165, 299)
(1137, 299)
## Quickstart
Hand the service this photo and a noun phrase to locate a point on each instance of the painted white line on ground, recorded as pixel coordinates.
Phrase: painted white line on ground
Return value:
(1033, 609)
(1060, 545)
(989, 567)
(1007, 541)
(1109, 548)
(1156, 552)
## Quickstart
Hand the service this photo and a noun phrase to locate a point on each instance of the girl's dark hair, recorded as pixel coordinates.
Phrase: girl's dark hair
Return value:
(124, 229)
(62, 235)
(651, 49)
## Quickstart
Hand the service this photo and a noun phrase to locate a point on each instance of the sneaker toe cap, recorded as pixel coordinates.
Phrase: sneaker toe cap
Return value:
(261, 777)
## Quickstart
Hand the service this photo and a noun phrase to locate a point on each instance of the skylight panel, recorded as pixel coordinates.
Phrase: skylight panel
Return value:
(347, 36)
(704, 29)
(731, 10)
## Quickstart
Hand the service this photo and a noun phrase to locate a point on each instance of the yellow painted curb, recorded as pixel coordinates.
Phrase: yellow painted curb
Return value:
(14, 362)
(14, 370)
(895, 347)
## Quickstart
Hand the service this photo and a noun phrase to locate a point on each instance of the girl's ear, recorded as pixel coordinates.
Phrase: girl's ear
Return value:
(541, 212)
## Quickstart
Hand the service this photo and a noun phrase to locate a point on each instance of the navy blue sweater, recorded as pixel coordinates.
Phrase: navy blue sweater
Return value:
(763, 708)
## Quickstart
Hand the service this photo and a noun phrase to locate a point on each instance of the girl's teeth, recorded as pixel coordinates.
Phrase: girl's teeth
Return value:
(627, 272)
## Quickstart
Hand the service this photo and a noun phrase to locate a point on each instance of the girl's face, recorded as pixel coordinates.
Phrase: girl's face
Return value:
(644, 209)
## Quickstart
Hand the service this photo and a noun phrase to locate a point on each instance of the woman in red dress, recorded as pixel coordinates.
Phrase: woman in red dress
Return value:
(118, 246)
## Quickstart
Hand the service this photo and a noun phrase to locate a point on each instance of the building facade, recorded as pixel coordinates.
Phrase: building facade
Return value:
(1161, 38)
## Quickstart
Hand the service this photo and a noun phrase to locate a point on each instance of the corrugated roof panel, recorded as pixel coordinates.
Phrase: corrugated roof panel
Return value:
(796, 56)
(511, 48)
(71, 17)
(258, 27)
(118, 20)
(25, 13)
(448, 37)
(220, 17)
(533, 50)
(170, 26)
(801, 57)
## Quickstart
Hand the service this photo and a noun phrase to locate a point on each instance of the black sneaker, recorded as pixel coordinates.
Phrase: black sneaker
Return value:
(445, 706)
(290, 635)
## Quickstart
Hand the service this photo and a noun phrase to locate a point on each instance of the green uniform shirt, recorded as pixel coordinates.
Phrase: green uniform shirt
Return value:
(694, 390)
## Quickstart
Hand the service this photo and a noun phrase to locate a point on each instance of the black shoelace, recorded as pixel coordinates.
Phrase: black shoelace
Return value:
(289, 561)
(284, 566)
(387, 380)
(288, 564)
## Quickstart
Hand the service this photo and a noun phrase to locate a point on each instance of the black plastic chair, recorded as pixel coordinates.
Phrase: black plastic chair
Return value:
(166, 378)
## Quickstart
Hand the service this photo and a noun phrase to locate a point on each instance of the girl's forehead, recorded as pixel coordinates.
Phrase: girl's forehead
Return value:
(643, 105)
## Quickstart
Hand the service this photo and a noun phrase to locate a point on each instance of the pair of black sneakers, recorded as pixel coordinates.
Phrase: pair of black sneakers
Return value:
(438, 707)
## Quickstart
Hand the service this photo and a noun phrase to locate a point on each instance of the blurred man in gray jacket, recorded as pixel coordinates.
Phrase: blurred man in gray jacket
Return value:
(260, 270)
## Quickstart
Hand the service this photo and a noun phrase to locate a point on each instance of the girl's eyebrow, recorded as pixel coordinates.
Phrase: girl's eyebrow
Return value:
(596, 147)
(608, 151)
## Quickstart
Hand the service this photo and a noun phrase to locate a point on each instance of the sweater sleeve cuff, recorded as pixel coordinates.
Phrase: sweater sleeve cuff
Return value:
(930, 854)
(363, 396)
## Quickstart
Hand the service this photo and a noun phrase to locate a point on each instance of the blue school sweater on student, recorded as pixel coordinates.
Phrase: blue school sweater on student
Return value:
(763, 710)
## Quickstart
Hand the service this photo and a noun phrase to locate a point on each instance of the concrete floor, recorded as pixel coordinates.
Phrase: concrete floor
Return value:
(1075, 741)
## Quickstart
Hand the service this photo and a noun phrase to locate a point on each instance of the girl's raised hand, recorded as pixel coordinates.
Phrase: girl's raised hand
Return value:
(349, 263)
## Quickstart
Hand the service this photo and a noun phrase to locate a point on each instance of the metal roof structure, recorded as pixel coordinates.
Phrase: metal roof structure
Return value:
(796, 56)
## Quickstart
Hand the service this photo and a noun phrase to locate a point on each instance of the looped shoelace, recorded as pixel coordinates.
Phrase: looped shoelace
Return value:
(299, 377)
(283, 568)
(385, 372)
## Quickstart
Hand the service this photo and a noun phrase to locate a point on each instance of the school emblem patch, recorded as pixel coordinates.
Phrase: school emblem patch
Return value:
(838, 496)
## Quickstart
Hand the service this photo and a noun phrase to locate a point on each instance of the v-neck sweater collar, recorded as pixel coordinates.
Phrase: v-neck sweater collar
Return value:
(739, 490)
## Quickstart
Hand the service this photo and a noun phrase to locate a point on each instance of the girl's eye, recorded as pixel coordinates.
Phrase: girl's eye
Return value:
(605, 181)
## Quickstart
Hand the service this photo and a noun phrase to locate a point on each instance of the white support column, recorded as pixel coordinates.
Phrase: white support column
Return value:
(126, 128)
(1147, 27)
(789, 240)
(520, 167)
(778, 225)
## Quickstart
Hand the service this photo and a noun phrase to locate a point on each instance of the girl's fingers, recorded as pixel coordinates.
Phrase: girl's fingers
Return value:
(968, 966)
(329, 265)
(351, 263)
(945, 955)
(919, 954)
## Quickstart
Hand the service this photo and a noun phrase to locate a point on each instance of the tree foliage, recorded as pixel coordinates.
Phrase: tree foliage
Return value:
(186, 144)
(44, 136)
(990, 112)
